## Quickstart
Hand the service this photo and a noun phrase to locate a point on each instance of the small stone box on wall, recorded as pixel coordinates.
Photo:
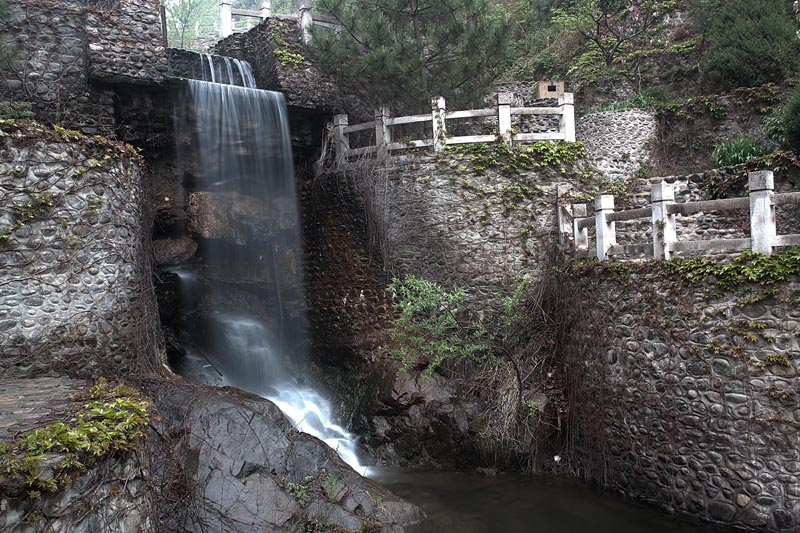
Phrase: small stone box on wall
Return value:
(549, 89)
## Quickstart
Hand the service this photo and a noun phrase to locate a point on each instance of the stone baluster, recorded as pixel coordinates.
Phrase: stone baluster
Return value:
(504, 115)
(663, 224)
(438, 110)
(567, 125)
(340, 140)
(606, 231)
(762, 211)
(581, 235)
(383, 135)
(225, 18)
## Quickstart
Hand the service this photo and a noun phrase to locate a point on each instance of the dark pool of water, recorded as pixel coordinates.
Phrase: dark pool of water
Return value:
(463, 503)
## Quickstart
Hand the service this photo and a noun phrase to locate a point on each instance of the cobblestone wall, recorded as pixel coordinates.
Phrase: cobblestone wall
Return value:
(619, 143)
(684, 400)
(73, 295)
(438, 219)
(62, 55)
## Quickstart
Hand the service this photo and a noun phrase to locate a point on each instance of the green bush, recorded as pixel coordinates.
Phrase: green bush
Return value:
(750, 42)
(791, 121)
(645, 98)
(739, 151)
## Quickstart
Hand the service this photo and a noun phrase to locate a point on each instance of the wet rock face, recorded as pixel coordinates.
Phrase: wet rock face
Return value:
(172, 252)
(251, 471)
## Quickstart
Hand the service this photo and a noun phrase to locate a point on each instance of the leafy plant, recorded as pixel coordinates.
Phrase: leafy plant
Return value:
(432, 327)
(738, 151)
(109, 421)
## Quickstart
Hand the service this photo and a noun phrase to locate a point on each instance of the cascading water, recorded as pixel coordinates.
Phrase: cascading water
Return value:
(242, 159)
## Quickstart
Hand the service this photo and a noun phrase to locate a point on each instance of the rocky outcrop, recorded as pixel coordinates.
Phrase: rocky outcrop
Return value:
(250, 470)
(229, 216)
(173, 252)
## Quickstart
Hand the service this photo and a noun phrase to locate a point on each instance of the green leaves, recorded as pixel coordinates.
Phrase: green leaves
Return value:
(403, 53)
(111, 421)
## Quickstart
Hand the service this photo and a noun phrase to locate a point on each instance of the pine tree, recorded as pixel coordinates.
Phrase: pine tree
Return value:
(403, 52)
(750, 42)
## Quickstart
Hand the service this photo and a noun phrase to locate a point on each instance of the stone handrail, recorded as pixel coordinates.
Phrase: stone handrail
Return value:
(438, 119)
(226, 13)
(761, 204)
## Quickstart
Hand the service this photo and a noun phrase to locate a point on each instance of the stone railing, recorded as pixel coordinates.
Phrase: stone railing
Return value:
(761, 203)
(437, 120)
(303, 16)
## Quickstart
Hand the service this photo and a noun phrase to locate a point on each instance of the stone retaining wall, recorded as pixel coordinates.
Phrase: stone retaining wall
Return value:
(678, 399)
(619, 143)
(62, 55)
(74, 295)
(439, 219)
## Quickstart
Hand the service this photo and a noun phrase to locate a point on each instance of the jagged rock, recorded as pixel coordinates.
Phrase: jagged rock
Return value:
(172, 252)
(252, 471)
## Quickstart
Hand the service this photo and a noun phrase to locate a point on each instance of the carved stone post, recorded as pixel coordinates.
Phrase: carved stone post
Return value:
(504, 115)
(606, 231)
(581, 235)
(383, 135)
(567, 126)
(225, 18)
(663, 223)
(439, 127)
(266, 8)
(306, 20)
(340, 139)
(762, 211)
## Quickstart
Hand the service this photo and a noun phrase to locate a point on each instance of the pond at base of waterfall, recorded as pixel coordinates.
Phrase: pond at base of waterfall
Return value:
(465, 503)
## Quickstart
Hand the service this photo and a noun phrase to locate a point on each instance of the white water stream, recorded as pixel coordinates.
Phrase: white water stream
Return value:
(241, 145)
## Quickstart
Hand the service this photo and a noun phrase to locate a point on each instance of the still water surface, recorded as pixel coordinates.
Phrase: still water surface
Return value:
(463, 503)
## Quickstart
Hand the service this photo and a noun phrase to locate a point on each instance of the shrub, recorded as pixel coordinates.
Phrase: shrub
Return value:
(750, 42)
(791, 121)
(738, 151)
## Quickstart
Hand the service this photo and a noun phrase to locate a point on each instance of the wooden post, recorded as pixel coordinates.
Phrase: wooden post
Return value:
(225, 18)
(306, 20)
(266, 9)
(567, 125)
(382, 134)
(762, 211)
(606, 231)
(439, 127)
(504, 115)
(581, 235)
(340, 139)
(663, 224)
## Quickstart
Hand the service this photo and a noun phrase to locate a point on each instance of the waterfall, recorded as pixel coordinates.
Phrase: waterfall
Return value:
(241, 162)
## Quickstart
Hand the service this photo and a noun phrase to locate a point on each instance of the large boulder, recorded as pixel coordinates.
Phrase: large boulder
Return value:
(250, 470)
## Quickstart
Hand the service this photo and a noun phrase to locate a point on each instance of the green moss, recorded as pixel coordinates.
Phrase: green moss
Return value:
(283, 53)
(106, 421)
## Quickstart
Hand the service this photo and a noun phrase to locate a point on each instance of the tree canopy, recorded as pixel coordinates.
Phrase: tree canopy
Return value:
(406, 51)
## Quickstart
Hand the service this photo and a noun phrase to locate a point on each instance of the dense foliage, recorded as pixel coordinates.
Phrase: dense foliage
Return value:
(404, 52)
(750, 42)
(791, 121)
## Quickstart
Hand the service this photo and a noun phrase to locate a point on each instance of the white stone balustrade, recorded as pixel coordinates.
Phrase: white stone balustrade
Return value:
(761, 204)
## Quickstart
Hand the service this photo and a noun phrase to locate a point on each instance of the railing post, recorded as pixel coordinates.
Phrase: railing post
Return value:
(225, 18)
(581, 235)
(382, 134)
(306, 19)
(266, 8)
(663, 224)
(504, 115)
(438, 110)
(606, 231)
(762, 211)
(567, 125)
(563, 214)
(340, 139)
